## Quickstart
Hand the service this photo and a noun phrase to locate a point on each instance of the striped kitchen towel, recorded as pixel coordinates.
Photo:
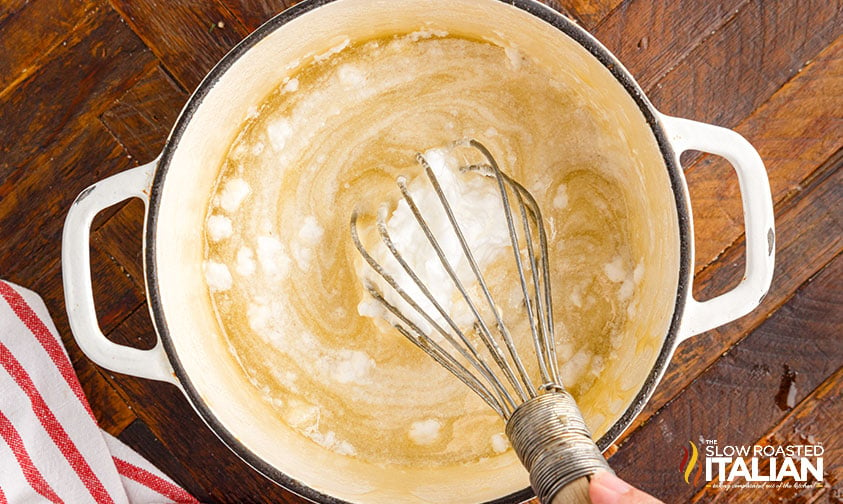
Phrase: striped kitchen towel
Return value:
(51, 449)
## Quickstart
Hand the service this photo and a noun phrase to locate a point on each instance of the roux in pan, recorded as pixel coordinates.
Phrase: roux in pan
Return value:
(284, 274)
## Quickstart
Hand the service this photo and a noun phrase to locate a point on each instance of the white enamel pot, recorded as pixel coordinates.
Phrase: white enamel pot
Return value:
(176, 186)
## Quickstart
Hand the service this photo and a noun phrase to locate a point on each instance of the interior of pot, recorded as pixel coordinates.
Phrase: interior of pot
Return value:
(187, 175)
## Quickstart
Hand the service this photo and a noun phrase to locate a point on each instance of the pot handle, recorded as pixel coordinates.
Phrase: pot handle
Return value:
(757, 200)
(76, 276)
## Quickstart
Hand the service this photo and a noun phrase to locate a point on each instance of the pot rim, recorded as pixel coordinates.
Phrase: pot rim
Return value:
(544, 13)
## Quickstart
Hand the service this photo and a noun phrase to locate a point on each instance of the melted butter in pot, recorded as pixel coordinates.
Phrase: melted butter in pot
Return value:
(282, 269)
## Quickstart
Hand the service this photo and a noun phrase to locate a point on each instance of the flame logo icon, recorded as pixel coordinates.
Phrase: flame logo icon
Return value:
(689, 463)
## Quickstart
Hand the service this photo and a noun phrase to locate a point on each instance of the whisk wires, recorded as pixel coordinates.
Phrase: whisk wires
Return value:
(503, 383)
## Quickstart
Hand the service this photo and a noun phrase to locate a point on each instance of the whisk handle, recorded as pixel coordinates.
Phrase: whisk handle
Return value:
(550, 437)
(575, 492)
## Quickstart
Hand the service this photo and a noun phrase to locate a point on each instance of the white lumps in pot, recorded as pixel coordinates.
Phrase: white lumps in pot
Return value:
(475, 202)
(244, 262)
(272, 256)
(425, 432)
(285, 283)
(234, 191)
(307, 239)
(617, 272)
(560, 199)
(279, 131)
(217, 276)
(514, 56)
(306, 418)
(500, 443)
(291, 86)
(348, 366)
(218, 227)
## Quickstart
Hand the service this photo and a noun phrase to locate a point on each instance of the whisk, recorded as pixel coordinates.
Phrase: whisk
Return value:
(543, 422)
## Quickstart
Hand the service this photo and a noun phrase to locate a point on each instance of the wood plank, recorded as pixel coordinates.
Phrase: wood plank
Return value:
(810, 234)
(46, 108)
(188, 37)
(589, 13)
(120, 240)
(55, 148)
(737, 69)
(136, 330)
(116, 293)
(111, 411)
(33, 31)
(790, 152)
(141, 119)
(803, 335)
(650, 38)
(138, 435)
(253, 13)
(10, 8)
(797, 129)
(817, 420)
(32, 216)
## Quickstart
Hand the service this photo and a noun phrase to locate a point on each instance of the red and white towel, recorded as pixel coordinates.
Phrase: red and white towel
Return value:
(51, 449)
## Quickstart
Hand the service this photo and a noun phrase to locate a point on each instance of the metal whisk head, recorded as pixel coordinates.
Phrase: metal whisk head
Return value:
(543, 422)
(496, 372)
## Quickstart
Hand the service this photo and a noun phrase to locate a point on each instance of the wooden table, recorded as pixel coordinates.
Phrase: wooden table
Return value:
(89, 88)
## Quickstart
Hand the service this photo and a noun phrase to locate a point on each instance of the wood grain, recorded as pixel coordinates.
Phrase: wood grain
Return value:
(112, 413)
(742, 64)
(796, 130)
(650, 38)
(53, 149)
(794, 141)
(141, 119)
(138, 434)
(34, 223)
(117, 293)
(10, 8)
(746, 379)
(136, 330)
(38, 29)
(119, 238)
(810, 234)
(188, 37)
(91, 87)
(253, 13)
(52, 137)
(589, 12)
(816, 420)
